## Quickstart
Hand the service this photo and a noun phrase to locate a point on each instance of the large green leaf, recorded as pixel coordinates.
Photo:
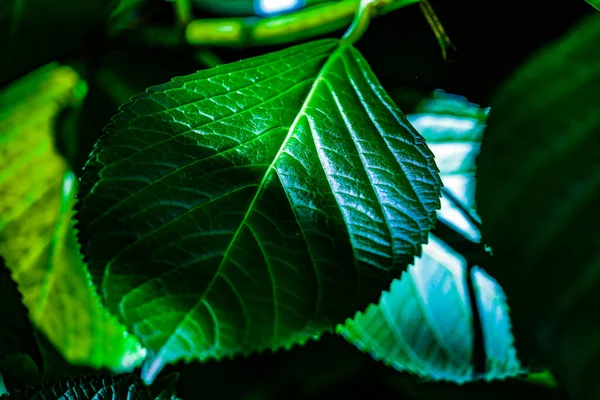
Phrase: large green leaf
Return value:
(117, 387)
(17, 343)
(424, 324)
(254, 205)
(36, 234)
(538, 193)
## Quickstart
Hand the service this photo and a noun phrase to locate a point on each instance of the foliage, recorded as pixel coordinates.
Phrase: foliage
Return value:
(277, 209)
(552, 188)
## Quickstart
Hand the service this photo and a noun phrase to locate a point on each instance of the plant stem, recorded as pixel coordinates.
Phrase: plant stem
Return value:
(300, 25)
(361, 20)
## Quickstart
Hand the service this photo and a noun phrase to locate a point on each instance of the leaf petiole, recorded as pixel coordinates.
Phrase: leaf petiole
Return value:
(304, 24)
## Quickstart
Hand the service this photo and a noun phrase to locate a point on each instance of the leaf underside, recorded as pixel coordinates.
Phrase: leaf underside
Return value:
(424, 323)
(254, 205)
(36, 234)
(538, 193)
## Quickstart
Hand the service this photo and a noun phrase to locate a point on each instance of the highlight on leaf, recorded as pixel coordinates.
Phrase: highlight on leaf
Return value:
(42, 251)
(425, 323)
(254, 205)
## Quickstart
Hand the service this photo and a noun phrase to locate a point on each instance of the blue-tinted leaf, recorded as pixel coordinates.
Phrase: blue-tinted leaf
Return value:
(424, 324)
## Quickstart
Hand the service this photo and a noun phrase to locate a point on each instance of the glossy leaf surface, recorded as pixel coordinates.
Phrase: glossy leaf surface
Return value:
(254, 205)
(538, 193)
(424, 324)
(36, 234)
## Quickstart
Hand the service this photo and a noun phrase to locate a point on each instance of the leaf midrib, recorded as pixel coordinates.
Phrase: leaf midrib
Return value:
(334, 55)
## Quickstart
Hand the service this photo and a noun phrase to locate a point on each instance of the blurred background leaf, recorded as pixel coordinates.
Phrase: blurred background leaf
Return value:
(595, 4)
(539, 192)
(37, 239)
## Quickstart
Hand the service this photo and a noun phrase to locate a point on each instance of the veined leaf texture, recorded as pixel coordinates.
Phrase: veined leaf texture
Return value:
(124, 386)
(424, 324)
(254, 205)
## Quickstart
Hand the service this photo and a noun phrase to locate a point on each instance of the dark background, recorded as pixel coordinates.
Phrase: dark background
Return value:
(492, 39)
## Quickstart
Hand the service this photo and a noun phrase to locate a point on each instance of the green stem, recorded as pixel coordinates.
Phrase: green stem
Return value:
(361, 20)
(300, 25)
(369, 9)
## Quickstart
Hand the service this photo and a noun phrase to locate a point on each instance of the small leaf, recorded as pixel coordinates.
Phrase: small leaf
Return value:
(254, 205)
(16, 332)
(36, 234)
(539, 192)
(425, 323)
(117, 387)
(594, 3)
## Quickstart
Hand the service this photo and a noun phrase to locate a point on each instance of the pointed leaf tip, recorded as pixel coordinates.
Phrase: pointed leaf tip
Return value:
(254, 205)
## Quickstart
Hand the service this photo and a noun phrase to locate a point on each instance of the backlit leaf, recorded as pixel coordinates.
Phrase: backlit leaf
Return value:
(539, 192)
(36, 234)
(424, 324)
(254, 205)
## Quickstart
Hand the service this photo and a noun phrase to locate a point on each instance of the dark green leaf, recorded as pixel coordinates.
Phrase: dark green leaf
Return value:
(254, 205)
(539, 192)
(117, 387)
(424, 324)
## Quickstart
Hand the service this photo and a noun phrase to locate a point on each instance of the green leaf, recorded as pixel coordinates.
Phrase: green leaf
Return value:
(37, 239)
(117, 387)
(453, 128)
(594, 3)
(254, 205)
(16, 332)
(539, 191)
(425, 324)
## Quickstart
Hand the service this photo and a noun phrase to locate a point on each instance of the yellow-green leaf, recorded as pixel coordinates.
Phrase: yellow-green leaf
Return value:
(37, 239)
